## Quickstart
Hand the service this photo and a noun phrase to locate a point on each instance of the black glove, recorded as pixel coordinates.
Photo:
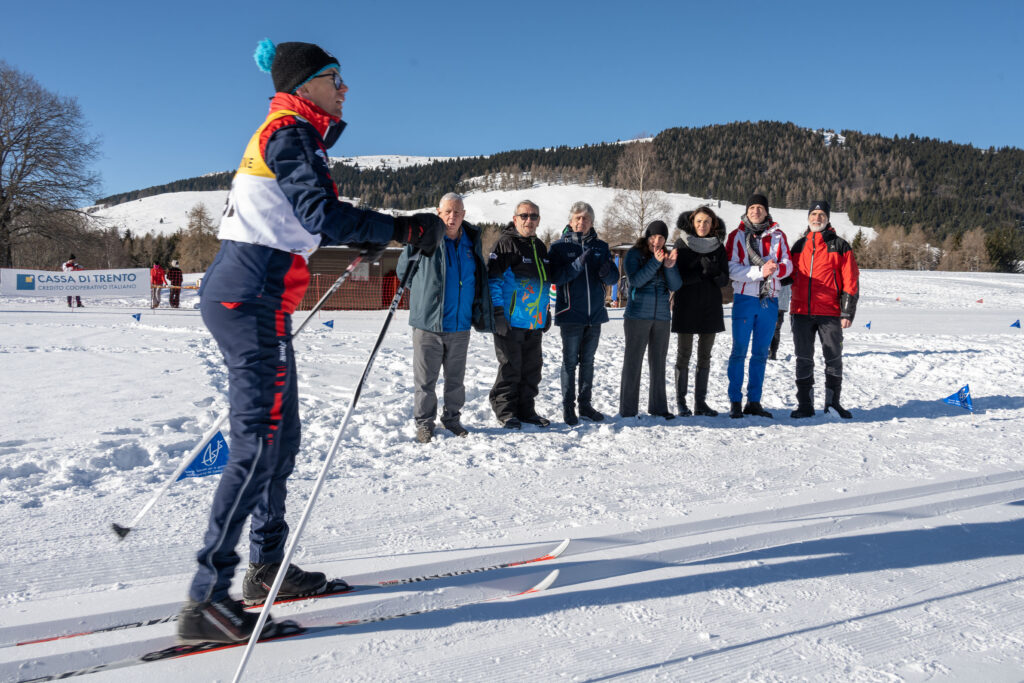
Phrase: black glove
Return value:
(501, 325)
(708, 266)
(422, 230)
(547, 323)
(582, 258)
(373, 251)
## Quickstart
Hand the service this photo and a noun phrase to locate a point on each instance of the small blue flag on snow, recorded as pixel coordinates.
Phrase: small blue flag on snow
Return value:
(961, 398)
(137, 316)
(1016, 324)
(210, 460)
(330, 324)
(868, 325)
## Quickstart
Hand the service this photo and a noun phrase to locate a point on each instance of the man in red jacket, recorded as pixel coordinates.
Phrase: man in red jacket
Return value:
(824, 301)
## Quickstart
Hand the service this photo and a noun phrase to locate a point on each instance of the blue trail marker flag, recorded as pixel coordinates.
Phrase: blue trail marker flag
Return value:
(137, 316)
(330, 324)
(1016, 324)
(210, 460)
(868, 325)
(961, 398)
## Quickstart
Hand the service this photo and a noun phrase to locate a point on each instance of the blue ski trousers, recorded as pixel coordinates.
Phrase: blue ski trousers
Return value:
(755, 318)
(255, 341)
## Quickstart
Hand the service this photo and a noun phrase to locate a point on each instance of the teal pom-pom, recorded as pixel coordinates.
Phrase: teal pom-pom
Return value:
(264, 54)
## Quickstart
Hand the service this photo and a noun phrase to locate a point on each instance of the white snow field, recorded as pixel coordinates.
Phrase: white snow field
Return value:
(885, 548)
(167, 213)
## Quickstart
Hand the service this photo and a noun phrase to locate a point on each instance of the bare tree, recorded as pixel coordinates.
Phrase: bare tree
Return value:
(44, 160)
(639, 201)
(198, 244)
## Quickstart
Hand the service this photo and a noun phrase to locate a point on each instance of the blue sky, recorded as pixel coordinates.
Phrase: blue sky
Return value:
(173, 91)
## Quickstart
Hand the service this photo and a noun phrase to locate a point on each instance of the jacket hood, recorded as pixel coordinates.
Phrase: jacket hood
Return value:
(329, 127)
(686, 225)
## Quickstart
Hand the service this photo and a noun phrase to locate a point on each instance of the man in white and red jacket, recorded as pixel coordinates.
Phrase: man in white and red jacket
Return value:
(758, 258)
(826, 284)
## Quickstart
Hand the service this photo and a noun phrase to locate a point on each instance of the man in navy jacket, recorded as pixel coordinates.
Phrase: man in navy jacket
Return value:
(581, 265)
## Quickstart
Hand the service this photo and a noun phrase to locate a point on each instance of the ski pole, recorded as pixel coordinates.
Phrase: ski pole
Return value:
(414, 262)
(367, 253)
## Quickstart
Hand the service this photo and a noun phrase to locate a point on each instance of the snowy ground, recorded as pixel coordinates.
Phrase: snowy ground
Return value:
(887, 548)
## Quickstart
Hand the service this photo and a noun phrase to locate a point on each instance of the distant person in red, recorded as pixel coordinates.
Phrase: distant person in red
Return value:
(157, 279)
(69, 266)
(174, 277)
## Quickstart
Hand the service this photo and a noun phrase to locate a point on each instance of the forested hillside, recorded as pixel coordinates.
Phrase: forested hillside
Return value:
(945, 189)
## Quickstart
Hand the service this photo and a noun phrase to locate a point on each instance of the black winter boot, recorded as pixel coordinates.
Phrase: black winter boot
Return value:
(587, 411)
(683, 410)
(569, 415)
(700, 393)
(297, 583)
(833, 389)
(805, 402)
(735, 409)
(219, 621)
(755, 408)
(702, 408)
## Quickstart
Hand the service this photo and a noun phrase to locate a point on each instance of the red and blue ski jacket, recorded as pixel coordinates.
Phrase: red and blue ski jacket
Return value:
(283, 204)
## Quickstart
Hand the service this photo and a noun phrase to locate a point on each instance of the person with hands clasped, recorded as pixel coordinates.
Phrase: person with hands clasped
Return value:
(581, 265)
(517, 272)
(282, 205)
(697, 305)
(652, 274)
(758, 258)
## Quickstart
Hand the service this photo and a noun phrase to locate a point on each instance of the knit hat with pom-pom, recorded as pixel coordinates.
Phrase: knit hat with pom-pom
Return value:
(292, 64)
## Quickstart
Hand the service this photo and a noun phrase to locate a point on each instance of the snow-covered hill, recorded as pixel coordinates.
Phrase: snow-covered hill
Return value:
(885, 548)
(167, 213)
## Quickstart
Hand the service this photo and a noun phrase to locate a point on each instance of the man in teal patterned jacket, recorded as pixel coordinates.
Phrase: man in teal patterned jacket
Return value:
(520, 292)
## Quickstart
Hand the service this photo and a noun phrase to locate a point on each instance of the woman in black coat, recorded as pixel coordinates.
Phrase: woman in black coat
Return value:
(697, 306)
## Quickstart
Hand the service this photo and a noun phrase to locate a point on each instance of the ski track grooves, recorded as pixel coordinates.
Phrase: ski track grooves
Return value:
(315, 624)
(142, 566)
(804, 520)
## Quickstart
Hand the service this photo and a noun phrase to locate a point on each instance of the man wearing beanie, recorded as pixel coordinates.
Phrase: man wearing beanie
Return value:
(758, 260)
(825, 290)
(282, 206)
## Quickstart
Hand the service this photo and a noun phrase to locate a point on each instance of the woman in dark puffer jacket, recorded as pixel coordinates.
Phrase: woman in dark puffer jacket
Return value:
(697, 305)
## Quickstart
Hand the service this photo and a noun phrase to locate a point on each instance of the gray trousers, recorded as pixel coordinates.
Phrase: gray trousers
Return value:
(433, 351)
(652, 336)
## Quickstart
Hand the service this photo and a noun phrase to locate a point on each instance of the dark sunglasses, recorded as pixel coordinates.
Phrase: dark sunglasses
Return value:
(529, 216)
(338, 83)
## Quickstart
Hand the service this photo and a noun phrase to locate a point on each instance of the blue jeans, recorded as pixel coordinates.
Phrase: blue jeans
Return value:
(751, 316)
(579, 346)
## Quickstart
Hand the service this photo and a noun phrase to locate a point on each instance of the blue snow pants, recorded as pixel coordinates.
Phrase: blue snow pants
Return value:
(255, 340)
(751, 316)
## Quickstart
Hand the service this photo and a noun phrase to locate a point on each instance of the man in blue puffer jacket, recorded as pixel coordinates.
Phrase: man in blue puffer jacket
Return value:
(520, 291)
(448, 294)
(581, 265)
(282, 206)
